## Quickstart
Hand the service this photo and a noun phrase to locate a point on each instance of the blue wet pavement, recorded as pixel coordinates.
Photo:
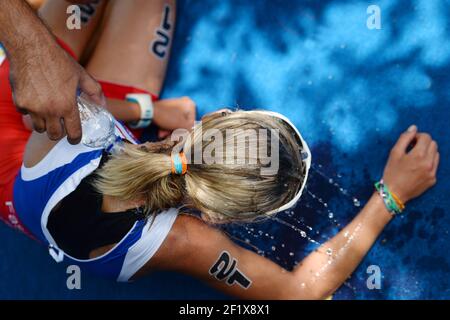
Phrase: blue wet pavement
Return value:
(350, 90)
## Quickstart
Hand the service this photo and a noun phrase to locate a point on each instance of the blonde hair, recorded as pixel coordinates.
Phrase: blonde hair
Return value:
(223, 192)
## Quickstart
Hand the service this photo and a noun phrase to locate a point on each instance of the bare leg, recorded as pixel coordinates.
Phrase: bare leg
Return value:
(134, 46)
(134, 49)
(54, 13)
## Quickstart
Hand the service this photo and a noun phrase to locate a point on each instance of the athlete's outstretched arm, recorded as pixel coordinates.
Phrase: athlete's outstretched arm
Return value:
(195, 248)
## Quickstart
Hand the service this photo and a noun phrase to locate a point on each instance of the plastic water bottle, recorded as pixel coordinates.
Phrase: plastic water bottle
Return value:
(97, 124)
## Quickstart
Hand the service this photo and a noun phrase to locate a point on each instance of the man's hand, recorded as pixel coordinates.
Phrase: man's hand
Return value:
(44, 78)
(44, 83)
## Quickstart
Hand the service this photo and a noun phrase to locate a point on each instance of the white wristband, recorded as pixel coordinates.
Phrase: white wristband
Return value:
(145, 103)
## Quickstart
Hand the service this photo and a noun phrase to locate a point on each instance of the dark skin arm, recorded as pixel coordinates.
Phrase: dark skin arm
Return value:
(43, 76)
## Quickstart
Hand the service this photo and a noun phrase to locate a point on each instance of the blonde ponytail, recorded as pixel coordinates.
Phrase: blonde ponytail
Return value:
(137, 174)
(222, 192)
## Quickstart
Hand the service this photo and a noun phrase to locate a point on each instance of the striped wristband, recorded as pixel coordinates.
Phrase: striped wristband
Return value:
(391, 201)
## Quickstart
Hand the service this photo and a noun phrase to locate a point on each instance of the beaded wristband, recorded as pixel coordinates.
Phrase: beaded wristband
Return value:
(390, 200)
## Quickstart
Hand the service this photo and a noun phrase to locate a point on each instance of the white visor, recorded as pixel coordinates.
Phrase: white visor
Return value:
(305, 156)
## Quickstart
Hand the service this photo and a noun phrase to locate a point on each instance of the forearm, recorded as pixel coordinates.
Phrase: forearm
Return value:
(123, 110)
(324, 270)
(20, 27)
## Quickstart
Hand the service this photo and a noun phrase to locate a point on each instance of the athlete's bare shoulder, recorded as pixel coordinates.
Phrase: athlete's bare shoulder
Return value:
(38, 146)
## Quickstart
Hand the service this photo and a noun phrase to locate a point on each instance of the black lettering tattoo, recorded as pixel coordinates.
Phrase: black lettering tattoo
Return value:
(160, 45)
(88, 11)
(239, 278)
(166, 24)
(224, 270)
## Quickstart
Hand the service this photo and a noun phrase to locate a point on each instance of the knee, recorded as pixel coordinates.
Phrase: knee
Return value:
(188, 103)
(189, 107)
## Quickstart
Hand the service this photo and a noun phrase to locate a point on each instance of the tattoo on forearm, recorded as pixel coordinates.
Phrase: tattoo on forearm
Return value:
(161, 44)
(225, 269)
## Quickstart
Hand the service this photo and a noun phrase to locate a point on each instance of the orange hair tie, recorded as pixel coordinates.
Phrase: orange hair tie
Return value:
(179, 163)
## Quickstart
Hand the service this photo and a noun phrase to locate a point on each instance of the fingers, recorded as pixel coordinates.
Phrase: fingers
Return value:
(434, 156)
(22, 110)
(436, 163)
(26, 120)
(433, 147)
(38, 123)
(405, 139)
(17, 102)
(92, 88)
(432, 153)
(54, 128)
(422, 144)
(427, 149)
(72, 124)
